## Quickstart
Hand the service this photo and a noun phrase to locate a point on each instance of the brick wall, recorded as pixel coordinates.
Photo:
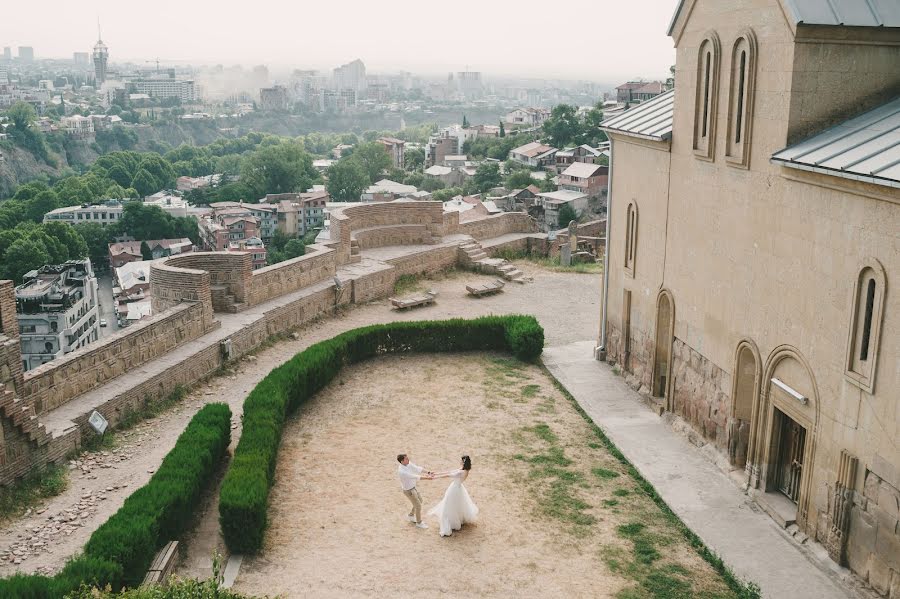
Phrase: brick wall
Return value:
(65, 378)
(873, 541)
(172, 285)
(426, 263)
(497, 225)
(231, 270)
(344, 221)
(291, 275)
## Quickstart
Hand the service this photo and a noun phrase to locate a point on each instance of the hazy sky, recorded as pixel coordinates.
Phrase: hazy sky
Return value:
(574, 39)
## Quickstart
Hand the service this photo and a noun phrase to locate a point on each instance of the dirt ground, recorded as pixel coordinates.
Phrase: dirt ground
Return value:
(548, 523)
(566, 304)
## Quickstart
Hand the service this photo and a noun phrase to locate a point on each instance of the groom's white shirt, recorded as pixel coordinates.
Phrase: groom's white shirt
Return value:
(409, 474)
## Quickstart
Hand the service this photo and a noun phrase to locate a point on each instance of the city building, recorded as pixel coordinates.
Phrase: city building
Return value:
(264, 213)
(753, 263)
(395, 148)
(130, 251)
(468, 84)
(438, 148)
(547, 205)
(7, 54)
(100, 57)
(583, 153)
(273, 98)
(534, 154)
(81, 59)
(57, 311)
(639, 91)
(231, 226)
(253, 246)
(77, 125)
(589, 179)
(26, 54)
(386, 190)
(189, 183)
(111, 211)
(350, 76)
(527, 117)
(299, 213)
(167, 87)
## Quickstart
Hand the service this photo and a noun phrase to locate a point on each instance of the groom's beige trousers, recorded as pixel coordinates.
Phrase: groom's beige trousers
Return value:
(416, 500)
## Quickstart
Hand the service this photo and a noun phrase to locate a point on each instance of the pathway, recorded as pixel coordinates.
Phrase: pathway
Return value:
(727, 520)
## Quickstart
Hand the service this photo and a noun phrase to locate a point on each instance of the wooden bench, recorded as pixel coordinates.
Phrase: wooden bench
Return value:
(494, 286)
(402, 303)
(163, 564)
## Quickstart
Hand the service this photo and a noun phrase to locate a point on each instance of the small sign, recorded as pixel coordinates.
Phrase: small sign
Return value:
(98, 422)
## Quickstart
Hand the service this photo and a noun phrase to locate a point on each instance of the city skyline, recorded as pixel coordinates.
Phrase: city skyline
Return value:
(488, 39)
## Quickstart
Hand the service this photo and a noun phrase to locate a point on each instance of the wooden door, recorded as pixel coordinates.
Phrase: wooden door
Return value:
(790, 458)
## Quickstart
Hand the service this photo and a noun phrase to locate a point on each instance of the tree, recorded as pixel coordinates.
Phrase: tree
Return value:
(73, 191)
(146, 252)
(346, 180)
(75, 245)
(21, 115)
(487, 176)
(97, 239)
(563, 126)
(42, 203)
(144, 183)
(414, 159)
(373, 158)
(465, 122)
(566, 215)
(519, 179)
(160, 169)
(294, 249)
(502, 130)
(24, 255)
(282, 168)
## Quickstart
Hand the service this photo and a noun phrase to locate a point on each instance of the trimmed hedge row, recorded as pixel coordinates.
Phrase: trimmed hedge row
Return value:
(121, 550)
(245, 491)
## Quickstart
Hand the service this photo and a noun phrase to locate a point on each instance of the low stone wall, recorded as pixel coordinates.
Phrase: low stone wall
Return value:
(291, 275)
(393, 235)
(171, 285)
(56, 382)
(701, 393)
(21, 456)
(231, 270)
(497, 225)
(426, 263)
(344, 221)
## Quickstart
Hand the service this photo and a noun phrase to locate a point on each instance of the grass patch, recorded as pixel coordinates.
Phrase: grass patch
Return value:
(152, 409)
(610, 502)
(530, 390)
(669, 580)
(28, 492)
(621, 492)
(407, 284)
(605, 474)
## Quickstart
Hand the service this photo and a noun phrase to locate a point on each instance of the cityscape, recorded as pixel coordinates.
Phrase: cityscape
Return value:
(651, 312)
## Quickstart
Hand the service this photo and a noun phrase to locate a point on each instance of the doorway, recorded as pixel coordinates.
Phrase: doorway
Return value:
(789, 459)
(662, 359)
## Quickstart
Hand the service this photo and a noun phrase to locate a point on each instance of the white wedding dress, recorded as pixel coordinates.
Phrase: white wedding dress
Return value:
(456, 508)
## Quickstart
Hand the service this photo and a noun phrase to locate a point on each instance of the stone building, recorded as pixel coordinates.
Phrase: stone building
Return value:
(754, 214)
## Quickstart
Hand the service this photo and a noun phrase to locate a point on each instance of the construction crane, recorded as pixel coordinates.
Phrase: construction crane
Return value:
(157, 64)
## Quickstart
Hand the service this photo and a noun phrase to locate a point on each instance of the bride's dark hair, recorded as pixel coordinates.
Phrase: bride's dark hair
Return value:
(467, 463)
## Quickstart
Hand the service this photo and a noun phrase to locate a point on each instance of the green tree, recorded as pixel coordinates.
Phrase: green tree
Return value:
(563, 126)
(73, 191)
(29, 190)
(146, 252)
(519, 179)
(145, 183)
(281, 168)
(502, 129)
(566, 215)
(346, 180)
(97, 239)
(414, 159)
(160, 169)
(21, 115)
(487, 175)
(74, 243)
(24, 255)
(42, 203)
(373, 159)
(465, 123)
(294, 249)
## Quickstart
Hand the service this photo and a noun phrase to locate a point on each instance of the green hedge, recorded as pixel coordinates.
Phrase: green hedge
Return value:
(121, 550)
(245, 490)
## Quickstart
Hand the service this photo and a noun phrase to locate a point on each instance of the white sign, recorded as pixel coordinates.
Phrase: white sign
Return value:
(98, 422)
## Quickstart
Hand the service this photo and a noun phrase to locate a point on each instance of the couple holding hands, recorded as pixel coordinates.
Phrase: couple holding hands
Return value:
(454, 510)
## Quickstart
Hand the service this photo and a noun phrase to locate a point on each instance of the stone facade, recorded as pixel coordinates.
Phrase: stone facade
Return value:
(732, 278)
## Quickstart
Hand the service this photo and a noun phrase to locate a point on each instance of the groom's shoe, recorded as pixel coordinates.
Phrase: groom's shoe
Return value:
(421, 525)
(411, 518)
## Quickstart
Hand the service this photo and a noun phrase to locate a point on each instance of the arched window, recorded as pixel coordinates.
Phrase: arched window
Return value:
(631, 222)
(740, 100)
(865, 325)
(707, 93)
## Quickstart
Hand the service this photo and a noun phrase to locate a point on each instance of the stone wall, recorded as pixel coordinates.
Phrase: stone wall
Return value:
(228, 270)
(393, 235)
(291, 275)
(497, 225)
(171, 285)
(428, 262)
(701, 393)
(56, 382)
(344, 221)
(873, 542)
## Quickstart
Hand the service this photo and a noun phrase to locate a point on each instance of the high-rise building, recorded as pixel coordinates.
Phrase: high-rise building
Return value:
(26, 54)
(7, 54)
(101, 58)
(81, 58)
(351, 76)
(468, 83)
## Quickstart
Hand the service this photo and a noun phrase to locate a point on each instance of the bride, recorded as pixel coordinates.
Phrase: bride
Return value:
(456, 508)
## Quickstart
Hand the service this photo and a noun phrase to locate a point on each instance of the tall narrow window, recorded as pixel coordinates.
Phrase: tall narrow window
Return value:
(706, 99)
(630, 237)
(740, 102)
(865, 325)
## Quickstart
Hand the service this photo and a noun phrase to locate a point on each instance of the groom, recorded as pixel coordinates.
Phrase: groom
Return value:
(409, 473)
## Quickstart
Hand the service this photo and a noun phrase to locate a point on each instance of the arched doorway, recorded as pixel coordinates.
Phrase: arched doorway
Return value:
(662, 352)
(785, 436)
(745, 389)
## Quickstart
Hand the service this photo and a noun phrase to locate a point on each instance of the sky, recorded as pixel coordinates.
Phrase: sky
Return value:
(599, 40)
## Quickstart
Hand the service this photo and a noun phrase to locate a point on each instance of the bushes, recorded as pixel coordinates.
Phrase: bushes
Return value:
(120, 551)
(245, 490)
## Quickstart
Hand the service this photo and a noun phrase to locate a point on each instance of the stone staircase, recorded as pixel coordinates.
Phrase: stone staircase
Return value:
(354, 251)
(23, 417)
(473, 256)
(223, 301)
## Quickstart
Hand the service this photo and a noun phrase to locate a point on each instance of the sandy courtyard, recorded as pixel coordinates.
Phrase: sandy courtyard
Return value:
(338, 523)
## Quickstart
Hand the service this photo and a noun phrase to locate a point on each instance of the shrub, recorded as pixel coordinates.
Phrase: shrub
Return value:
(120, 551)
(244, 495)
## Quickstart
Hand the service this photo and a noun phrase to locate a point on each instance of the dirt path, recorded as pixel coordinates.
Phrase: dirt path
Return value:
(566, 304)
(548, 524)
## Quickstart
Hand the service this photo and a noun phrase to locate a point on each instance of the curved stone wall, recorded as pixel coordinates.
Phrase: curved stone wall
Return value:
(344, 221)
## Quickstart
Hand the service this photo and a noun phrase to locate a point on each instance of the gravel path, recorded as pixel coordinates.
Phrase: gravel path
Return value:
(567, 305)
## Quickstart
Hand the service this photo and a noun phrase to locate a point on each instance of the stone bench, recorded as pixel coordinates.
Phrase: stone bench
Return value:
(494, 286)
(388, 235)
(414, 301)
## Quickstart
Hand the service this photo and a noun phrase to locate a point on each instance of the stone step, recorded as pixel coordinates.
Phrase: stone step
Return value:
(476, 257)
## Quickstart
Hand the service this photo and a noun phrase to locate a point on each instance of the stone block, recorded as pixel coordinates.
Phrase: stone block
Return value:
(886, 470)
(894, 593)
(887, 547)
(884, 519)
(870, 489)
(879, 575)
(860, 541)
(889, 498)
